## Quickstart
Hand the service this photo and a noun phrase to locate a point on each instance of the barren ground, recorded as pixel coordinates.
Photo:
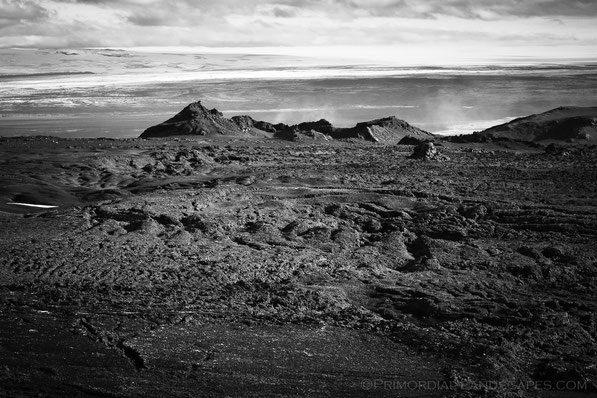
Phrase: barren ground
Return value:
(266, 268)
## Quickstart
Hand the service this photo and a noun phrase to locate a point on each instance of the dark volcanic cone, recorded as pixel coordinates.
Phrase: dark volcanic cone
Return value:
(196, 119)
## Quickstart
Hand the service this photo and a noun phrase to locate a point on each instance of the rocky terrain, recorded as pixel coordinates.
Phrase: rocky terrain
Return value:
(568, 124)
(196, 119)
(215, 265)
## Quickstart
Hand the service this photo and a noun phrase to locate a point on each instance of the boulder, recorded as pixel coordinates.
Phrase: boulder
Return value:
(427, 151)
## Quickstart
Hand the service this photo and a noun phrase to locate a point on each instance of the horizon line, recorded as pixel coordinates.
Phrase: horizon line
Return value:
(406, 55)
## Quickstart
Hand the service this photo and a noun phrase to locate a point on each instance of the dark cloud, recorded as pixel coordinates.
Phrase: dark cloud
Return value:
(294, 22)
(284, 12)
(13, 12)
(112, 2)
(175, 14)
(527, 8)
(151, 19)
(474, 9)
(156, 12)
(585, 8)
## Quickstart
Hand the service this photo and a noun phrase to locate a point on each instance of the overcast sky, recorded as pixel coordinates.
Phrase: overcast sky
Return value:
(501, 28)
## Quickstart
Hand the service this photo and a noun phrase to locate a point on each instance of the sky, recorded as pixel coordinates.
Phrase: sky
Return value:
(427, 29)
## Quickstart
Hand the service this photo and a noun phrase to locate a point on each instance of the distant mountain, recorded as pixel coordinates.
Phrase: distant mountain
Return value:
(195, 119)
(560, 124)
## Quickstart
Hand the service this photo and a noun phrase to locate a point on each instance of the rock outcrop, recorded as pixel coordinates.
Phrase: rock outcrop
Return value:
(297, 135)
(427, 151)
(567, 124)
(319, 130)
(247, 123)
(196, 119)
(389, 130)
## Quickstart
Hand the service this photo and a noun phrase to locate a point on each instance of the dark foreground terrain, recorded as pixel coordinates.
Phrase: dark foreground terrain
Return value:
(267, 268)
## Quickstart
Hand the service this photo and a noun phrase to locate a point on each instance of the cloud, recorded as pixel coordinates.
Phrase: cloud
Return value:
(450, 24)
(177, 14)
(16, 12)
(472, 9)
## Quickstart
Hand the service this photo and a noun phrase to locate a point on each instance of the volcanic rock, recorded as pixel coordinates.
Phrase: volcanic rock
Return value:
(322, 126)
(389, 130)
(410, 140)
(204, 262)
(243, 121)
(269, 127)
(556, 150)
(427, 151)
(195, 119)
(560, 124)
(247, 123)
(318, 130)
(297, 135)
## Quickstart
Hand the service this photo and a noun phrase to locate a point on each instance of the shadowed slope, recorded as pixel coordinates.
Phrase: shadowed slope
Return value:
(561, 124)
